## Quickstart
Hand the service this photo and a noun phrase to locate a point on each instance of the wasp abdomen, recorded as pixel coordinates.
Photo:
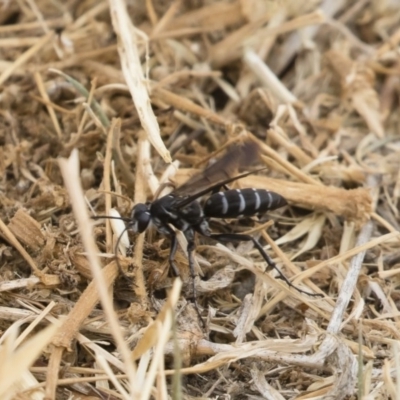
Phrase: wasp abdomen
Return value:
(242, 202)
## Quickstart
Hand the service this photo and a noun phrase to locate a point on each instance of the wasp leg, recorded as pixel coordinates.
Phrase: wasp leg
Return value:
(189, 234)
(236, 237)
(173, 248)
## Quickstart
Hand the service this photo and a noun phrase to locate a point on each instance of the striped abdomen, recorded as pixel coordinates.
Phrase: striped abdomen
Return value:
(242, 202)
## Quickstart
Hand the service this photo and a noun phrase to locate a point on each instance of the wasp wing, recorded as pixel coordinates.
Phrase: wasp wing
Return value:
(222, 172)
(187, 200)
(239, 156)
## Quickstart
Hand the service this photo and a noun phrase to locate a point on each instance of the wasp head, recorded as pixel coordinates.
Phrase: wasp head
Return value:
(140, 218)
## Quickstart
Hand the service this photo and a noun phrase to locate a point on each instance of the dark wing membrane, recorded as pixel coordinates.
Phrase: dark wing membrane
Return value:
(221, 172)
(187, 200)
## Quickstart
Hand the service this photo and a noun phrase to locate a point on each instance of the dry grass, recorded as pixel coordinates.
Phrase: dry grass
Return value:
(97, 99)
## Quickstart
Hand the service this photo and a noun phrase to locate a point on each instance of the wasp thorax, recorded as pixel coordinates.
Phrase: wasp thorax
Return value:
(140, 218)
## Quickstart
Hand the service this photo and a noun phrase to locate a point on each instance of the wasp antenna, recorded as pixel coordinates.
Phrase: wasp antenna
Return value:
(122, 240)
(96, 217)
(120, 230)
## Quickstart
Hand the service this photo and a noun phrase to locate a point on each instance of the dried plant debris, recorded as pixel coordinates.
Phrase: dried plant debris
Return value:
(107, 104)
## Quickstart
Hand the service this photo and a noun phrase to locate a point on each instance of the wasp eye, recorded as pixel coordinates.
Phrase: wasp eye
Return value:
(140, 218)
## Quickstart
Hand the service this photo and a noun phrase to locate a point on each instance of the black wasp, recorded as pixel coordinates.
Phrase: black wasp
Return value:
(182, 209)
